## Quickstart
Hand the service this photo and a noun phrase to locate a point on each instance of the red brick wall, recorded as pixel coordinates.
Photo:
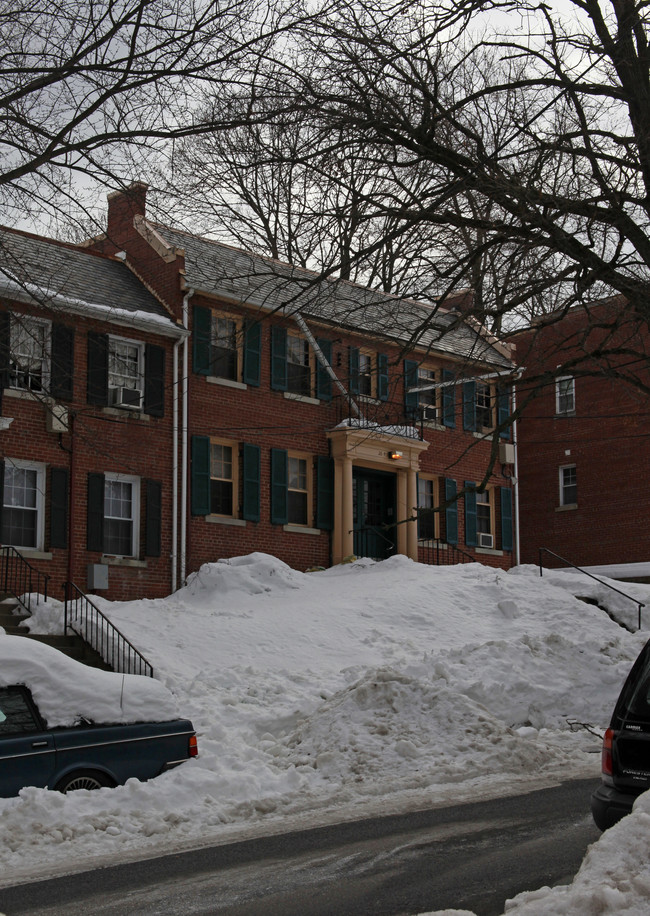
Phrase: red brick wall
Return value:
(606, 440)
(104, 441)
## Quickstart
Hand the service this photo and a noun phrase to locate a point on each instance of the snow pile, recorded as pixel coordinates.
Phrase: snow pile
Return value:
(362, 689)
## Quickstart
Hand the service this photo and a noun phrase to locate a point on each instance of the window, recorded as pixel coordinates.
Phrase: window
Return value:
(121, 515)
(23, 504)
(484, 406)
(125, 364)
(16, 714)
(568, 486)
(483, 514)
(225, 357)
(479, 406)
(222, 479)
(365, 374)
(299, 380)
(298, 490)
(427, 518)
(29, 358)
(428, 398)
(565, 395)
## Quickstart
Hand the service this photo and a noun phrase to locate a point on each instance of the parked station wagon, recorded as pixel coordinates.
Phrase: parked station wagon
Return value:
(66, 726)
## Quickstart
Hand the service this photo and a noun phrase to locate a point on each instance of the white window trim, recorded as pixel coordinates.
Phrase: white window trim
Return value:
(565, 378)
(16, 318)
(565, 467)
(133, 343)
(39, 467)
(135, 506)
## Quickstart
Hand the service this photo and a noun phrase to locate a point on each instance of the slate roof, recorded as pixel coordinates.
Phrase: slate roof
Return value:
(50, 272)
(222, 270)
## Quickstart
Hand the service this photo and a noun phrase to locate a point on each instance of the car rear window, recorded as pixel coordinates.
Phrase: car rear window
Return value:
(16, 715)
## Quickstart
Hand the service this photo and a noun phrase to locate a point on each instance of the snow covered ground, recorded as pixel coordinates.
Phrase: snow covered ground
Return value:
(363, 689)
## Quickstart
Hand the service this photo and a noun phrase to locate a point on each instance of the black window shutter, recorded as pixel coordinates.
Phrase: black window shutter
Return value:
(353, 369)
(154, 381)
(382, 377)
(448, 400)
(279, 485)
(325, 493)
(97, 368)
(451, 511)
(153, 518)
(323, 378)
(278, 359)
(252, 353)
(411, 398)
(2, 495)
(95, 512)
(62, 363)
(200, 475)
(5, 332)
(469, 405)
(470, 513)
(251, 483)
(59, 508)
(503, 402)
(506, 518)
(202, 331)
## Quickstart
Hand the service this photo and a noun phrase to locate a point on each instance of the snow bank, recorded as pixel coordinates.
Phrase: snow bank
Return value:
(357, 690)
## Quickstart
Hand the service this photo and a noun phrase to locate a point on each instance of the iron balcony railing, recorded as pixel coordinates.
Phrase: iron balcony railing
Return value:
(434, 552)
(86, 620)
(542, 550)
(20, 579)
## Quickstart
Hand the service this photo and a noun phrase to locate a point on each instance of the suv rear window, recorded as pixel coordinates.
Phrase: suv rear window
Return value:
(634, 702)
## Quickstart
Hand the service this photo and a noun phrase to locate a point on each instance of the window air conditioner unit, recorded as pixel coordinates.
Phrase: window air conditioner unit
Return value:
(430, 413)
(131, 398)
(485, 540)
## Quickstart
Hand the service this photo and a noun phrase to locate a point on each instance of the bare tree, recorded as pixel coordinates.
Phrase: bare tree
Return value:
(534, 143)
(88, 90)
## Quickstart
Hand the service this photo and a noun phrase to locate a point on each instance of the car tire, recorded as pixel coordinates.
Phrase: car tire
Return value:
(83, 779)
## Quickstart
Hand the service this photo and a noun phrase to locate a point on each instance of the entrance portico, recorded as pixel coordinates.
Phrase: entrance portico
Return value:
(381, 450)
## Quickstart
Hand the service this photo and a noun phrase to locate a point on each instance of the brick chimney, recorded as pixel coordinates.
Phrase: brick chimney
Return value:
(122, 207)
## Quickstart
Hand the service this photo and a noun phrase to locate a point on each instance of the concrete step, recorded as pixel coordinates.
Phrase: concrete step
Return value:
(73, 646)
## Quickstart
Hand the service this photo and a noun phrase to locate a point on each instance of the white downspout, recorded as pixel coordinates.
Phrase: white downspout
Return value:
(174, 556)
(516, 479)
(186, 298)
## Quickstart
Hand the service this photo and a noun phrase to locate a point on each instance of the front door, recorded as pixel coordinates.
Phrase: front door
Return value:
(374, 498)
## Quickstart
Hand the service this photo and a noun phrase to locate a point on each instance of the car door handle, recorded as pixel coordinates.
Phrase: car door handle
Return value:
(40, 743)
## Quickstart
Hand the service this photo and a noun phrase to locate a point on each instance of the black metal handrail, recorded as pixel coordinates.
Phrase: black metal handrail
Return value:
(82, 617)
(18, 577)
(591, 576)
(441, 553)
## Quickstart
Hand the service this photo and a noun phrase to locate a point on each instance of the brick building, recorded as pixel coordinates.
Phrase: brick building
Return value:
(298, 418)
(584, 466)
(86, 439)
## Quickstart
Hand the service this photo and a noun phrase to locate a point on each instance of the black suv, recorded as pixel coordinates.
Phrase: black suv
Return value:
(626, 748)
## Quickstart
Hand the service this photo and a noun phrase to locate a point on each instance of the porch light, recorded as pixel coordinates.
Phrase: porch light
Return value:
(394, 455)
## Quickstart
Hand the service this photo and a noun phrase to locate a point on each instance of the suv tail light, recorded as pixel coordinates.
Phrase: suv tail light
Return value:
(193, 747)
(606, 754)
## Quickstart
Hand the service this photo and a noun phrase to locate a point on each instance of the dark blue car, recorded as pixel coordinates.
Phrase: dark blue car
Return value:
(85, 756)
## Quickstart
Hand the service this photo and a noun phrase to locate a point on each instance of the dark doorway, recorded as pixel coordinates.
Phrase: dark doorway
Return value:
(374, 498)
